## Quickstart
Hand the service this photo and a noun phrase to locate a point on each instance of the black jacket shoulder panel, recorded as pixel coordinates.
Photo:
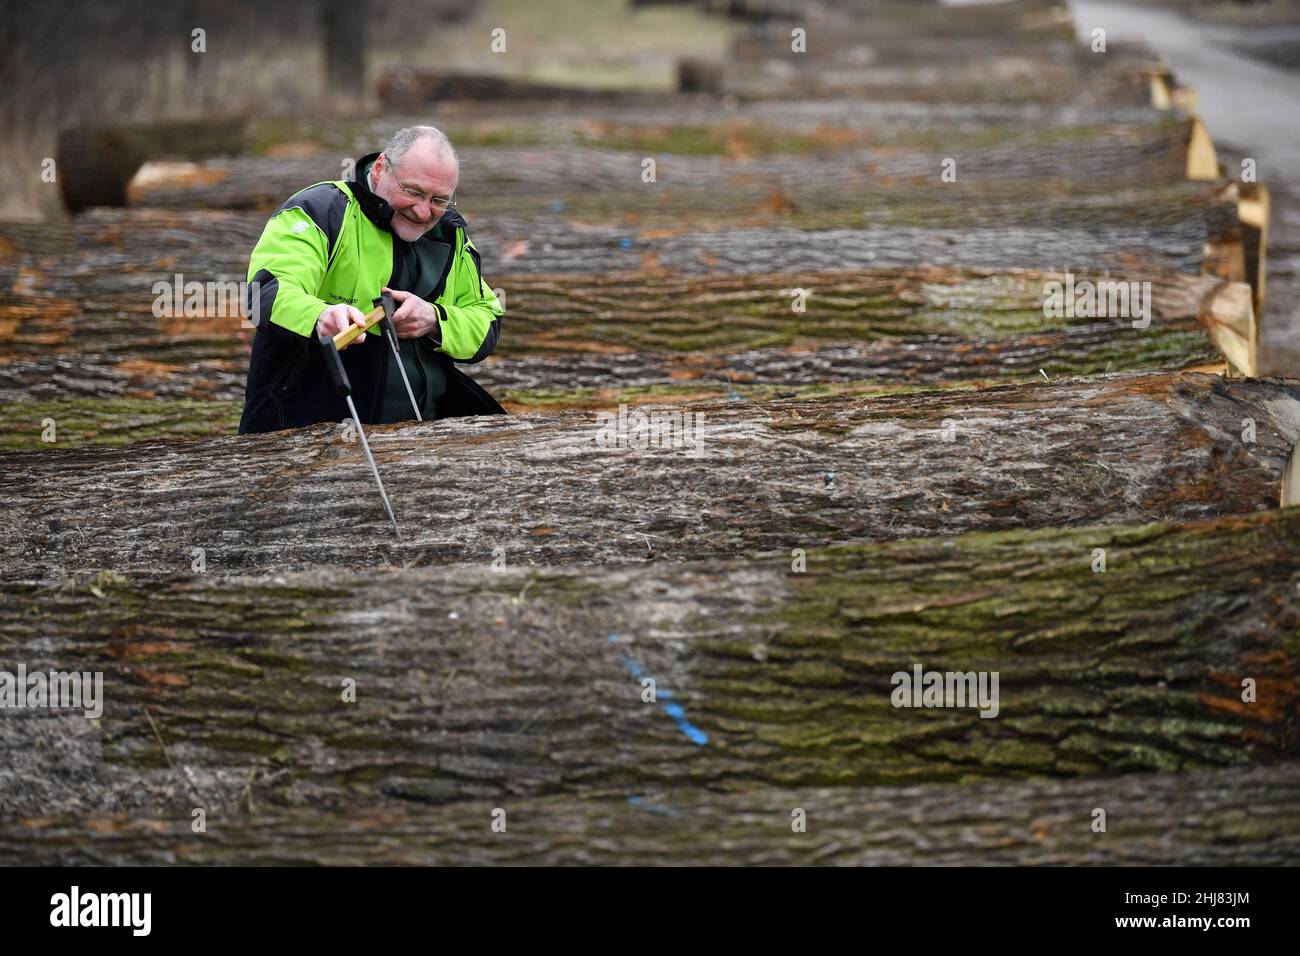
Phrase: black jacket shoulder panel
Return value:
(325, 204)
(372, 207)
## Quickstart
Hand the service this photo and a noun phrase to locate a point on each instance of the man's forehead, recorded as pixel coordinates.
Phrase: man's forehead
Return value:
(423, 161)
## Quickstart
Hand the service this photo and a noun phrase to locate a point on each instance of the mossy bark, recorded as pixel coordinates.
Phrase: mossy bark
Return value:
(889, 170)
(744, 477)
(1236, 817)
(329, 694)
(472, 684)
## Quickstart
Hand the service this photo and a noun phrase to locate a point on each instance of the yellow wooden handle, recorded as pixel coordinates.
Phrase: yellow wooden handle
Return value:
(348, 335)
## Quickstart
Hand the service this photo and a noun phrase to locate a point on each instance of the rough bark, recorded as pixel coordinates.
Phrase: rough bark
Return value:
(738, 129)
(79, 422)
(344, 25)
(472, 684)
(1018, 168)
(1010, 52)
(760, 476)
(578, 343)
(936, 312)
(640, 313)
(1237, 817)
(552, 245)
(1114, 197)
(89, 352)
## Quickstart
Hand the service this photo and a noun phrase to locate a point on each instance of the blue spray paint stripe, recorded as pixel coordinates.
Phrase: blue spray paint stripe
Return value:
(671, 708)
(640, 802)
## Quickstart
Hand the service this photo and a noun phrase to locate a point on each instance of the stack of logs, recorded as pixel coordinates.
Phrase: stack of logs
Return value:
(825, 281)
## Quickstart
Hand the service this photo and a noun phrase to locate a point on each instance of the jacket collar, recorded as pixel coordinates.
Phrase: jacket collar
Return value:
(378, 210)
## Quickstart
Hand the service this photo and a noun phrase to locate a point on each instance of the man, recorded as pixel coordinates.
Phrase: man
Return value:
(323, 258)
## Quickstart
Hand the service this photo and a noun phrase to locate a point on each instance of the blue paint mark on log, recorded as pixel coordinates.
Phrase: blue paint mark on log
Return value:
(651, 807)
(669, 705)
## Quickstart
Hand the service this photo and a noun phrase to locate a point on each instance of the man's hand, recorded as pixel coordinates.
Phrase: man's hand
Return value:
(336, 318)
(414, 317)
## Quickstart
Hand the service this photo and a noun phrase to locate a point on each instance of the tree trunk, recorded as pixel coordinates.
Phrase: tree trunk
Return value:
(1237, 817)
(110, 359)
(97, 163)
(743, 477)
(344, 24)
(926, 323)
(472, 684)
(717, 164)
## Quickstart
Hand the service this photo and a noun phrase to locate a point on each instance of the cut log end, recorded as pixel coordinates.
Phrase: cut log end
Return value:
(1230, 318)
(1202, 159)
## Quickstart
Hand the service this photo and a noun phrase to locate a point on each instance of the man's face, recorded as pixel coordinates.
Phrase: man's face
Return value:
(419, 170)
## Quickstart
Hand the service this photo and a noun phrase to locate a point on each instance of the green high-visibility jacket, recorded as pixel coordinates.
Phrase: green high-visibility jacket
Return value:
(331, 243)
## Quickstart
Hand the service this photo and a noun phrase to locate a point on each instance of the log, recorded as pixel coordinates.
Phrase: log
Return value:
(743, 478)
(96, 163)
(1161, 84)
(80, 323)
(576, 343)
(84, 422)
(691, 125)
(1202, 160)
(645, 313)
(478, 685)
(1017, 51)
(1073, 165)
(641, 312)
(1237, 817)
(98, 382)
(56, 305)
(1109, 548)
(549, 244)
(86, 346)
(1233, 327)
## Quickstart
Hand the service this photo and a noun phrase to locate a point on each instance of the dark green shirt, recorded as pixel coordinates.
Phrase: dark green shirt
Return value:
(428, 382)
(422, 264)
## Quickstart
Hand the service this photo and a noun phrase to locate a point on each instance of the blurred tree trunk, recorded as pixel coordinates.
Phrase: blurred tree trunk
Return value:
(344, 23)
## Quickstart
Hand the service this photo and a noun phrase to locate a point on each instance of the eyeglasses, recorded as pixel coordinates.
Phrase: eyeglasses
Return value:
(435, 202)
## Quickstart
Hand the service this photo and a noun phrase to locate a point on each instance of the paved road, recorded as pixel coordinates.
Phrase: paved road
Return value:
(1250, 108)
(1246, 103)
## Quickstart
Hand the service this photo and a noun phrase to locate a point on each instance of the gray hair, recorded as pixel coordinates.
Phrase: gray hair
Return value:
(408, 136)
